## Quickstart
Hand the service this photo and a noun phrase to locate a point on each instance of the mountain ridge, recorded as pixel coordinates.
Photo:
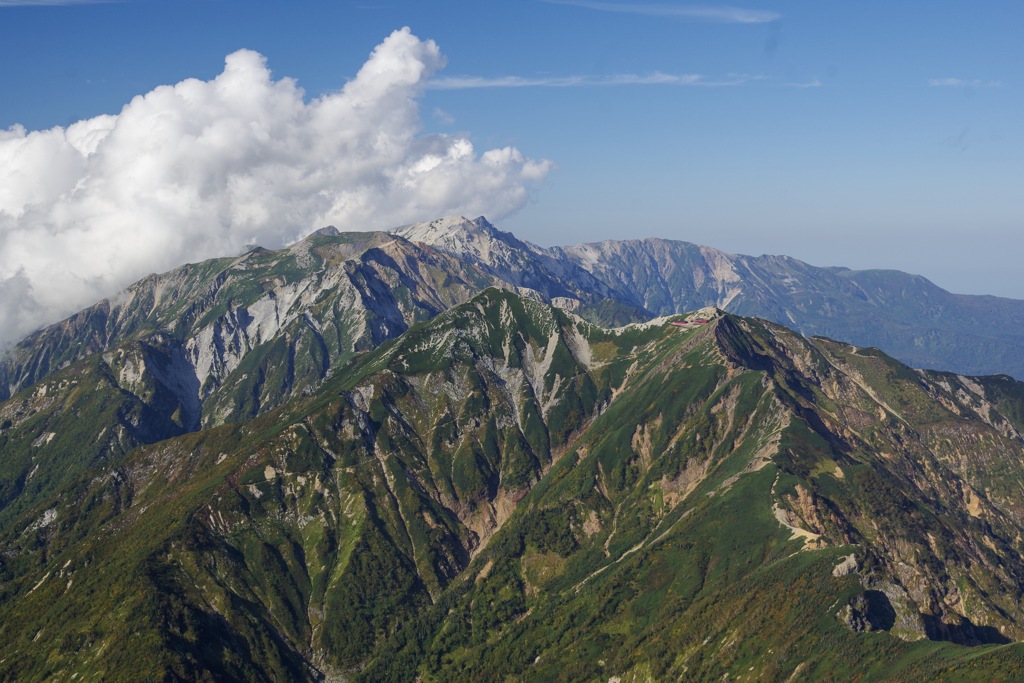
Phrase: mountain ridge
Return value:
(905, 314)
(610, 282)
(510, 479)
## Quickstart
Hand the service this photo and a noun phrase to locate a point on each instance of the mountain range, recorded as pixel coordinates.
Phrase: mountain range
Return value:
(332, 295)
(443, 453)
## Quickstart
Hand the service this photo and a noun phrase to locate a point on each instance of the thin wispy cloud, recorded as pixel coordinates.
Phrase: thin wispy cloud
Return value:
(724, 14)
(732, 80)
(963, 83)
(51, 3)
(473, 82)
(443, 117)
(656, 78)
(813, 83)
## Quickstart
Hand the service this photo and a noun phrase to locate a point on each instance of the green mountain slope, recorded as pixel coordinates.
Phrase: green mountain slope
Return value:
(90, 415)
(782, 544)
(327, 524)
(509, 491)
(766, 530)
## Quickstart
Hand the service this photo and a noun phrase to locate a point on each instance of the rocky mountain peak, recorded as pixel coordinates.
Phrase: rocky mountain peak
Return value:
(442, 230)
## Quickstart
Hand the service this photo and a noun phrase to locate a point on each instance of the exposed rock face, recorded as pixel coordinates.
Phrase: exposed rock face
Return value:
(846, 567)
(266, 326)
(869, 611)
(511, 260)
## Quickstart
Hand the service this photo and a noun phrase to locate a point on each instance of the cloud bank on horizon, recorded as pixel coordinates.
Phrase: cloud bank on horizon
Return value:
(201, 168)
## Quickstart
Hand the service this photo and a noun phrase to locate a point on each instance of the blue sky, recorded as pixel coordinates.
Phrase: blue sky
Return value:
(865, 134)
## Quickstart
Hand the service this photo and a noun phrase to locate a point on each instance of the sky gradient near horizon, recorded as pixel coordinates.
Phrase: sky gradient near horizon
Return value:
(868, 134)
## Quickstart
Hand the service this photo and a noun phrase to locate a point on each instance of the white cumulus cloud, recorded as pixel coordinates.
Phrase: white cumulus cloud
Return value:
(201, 168)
